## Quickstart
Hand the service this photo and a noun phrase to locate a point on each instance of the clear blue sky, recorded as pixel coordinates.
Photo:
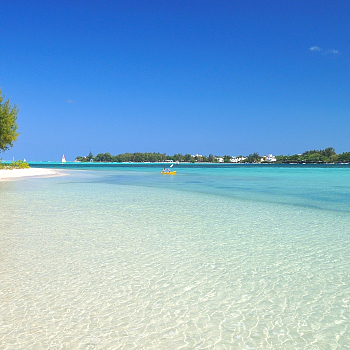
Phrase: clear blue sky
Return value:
(221, 77)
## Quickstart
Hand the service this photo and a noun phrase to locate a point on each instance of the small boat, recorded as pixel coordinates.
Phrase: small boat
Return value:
(168, 172)
(63, 159)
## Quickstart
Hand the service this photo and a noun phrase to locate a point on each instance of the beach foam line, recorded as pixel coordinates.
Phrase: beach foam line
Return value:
(6, 175)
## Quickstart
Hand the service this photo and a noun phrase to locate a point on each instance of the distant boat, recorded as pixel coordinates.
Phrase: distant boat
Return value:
(24, 160)
(63, 159)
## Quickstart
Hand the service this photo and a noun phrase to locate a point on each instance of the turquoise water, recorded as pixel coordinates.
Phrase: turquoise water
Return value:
(237, 257)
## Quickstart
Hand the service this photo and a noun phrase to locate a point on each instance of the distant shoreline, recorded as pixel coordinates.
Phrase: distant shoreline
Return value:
(91, 165)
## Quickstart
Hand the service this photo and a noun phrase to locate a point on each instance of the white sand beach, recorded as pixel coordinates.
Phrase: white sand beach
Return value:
(7, 175)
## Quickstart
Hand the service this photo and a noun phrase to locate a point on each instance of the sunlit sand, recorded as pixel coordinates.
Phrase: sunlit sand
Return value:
(6, 175)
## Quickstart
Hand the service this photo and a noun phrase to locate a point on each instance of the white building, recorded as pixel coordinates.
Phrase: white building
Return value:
(269, 158)
(237, 159)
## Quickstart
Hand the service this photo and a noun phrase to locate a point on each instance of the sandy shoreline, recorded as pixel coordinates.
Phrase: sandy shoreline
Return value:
(14, 174)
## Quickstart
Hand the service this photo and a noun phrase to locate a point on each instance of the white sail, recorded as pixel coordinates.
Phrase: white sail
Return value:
(63, 159)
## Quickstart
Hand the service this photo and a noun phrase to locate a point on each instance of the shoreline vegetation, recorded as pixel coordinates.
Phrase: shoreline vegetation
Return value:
(326, 156)
(19, 164)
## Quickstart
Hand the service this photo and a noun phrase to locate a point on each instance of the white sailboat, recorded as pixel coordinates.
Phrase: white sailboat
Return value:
(63, 159)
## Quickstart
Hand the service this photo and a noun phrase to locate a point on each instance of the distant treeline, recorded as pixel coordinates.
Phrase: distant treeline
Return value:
(327, 155)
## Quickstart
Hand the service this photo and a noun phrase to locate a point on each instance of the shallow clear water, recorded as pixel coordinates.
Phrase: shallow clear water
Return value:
(212, 258)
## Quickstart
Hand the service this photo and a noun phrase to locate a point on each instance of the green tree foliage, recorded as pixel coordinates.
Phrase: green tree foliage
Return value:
(316, 156)
(253, 158)
(198, 158)
(137, 157)
(328, 152)
(178, 157)
(187, 157)
(334, 158)
(8, 124)
(327, 155)
(90, 157)
(19, 164)
(344, 157)
(103, 157)
(227, 159)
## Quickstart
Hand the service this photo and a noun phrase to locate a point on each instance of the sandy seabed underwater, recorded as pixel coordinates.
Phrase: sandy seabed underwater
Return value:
(213, 258)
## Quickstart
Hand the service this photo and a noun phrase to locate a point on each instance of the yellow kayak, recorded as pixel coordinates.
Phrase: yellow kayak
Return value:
(168, 173)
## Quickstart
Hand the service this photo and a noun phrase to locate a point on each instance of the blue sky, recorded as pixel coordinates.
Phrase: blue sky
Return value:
(221, 77)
